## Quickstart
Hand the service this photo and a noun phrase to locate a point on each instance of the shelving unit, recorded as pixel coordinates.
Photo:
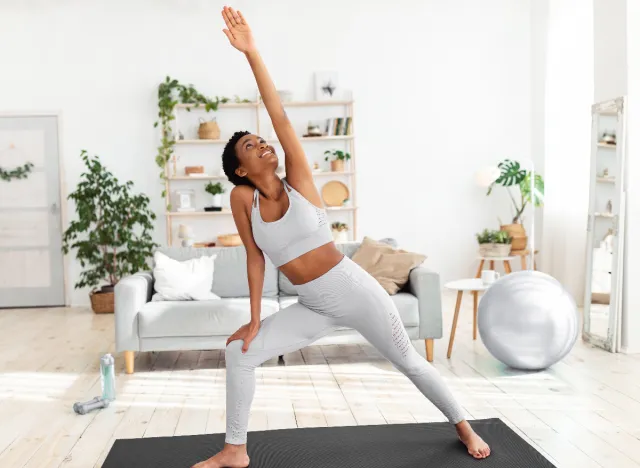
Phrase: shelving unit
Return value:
(255, 110)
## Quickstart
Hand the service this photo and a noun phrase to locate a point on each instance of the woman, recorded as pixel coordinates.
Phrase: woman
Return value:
(285, 220)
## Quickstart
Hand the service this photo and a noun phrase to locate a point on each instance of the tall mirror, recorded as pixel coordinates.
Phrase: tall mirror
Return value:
(605, 226)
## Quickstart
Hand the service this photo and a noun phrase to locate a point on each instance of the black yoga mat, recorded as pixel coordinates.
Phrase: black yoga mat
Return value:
(385, 446)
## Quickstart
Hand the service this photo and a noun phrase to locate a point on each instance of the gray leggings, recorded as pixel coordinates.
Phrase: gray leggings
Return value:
(345, 296)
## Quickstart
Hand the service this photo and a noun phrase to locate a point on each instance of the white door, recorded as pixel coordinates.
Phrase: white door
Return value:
(31, 261)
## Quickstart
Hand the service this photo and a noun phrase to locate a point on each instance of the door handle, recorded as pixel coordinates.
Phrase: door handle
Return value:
(54, 208)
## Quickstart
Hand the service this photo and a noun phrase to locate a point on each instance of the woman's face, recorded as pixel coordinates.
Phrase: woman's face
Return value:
(255, 156)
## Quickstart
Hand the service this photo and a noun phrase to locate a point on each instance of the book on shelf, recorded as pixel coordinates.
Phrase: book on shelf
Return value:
(339, 126)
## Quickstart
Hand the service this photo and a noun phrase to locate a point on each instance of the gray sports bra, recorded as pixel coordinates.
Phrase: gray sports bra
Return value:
(302, 228)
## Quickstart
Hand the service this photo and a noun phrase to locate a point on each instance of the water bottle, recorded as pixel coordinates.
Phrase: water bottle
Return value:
(108, 377)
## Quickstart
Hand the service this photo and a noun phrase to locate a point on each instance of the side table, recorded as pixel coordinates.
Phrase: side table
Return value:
(474, 286)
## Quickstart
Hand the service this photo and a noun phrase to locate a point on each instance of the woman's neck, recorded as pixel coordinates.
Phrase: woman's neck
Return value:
(270, 186)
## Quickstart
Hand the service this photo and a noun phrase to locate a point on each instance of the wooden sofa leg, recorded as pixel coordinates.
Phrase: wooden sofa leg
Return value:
(128, 361)
(428, 343)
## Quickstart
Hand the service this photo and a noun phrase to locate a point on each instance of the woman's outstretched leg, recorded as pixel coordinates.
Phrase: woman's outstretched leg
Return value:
(378, 321)
(285, 331)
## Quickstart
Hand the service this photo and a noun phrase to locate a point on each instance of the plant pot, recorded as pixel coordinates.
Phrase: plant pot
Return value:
(518, 235)
(340, 236)
(495, 250)
(337, 165)
(102, 302)
(216, 200)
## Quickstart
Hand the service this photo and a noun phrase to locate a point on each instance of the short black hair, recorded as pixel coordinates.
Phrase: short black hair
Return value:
(230, 161)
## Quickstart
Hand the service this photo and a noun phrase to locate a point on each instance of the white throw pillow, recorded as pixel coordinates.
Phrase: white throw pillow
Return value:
(183, 281)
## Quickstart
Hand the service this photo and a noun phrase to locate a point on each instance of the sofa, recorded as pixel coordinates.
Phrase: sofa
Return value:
(145, 325)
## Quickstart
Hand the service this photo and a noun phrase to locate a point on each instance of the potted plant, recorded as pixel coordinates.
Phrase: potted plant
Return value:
(512, 175)
(215, 190)
(494, 243)
(337, 159)
(339, 231)
(112, 235)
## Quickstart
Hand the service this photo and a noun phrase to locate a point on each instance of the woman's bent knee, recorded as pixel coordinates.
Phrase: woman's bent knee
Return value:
(233, 354)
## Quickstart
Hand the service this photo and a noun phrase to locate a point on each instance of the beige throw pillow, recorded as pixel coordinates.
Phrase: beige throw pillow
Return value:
(391, 267)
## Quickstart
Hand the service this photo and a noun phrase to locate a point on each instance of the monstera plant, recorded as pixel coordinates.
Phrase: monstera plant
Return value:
(513, 175)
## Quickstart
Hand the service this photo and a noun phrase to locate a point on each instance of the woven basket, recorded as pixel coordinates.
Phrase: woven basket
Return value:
(495, 250)
(102, 303)
(208, 130)
(229, 240)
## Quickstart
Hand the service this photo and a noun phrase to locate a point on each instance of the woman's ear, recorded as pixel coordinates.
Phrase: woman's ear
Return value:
(241, 172)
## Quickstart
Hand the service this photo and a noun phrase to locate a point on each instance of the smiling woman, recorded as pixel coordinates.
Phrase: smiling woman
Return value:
(285, 219)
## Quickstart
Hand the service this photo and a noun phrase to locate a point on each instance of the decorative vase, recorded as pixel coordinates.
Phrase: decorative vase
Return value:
(216, 200)
(340, 236)
(518, 235)
(337, 165)
(495, 250)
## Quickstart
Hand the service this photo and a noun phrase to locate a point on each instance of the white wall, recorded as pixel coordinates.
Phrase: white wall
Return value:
(568, 97)
(442, 89)
(610, 49)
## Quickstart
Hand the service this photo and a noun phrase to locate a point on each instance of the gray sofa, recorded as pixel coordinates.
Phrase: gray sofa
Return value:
(142, 325)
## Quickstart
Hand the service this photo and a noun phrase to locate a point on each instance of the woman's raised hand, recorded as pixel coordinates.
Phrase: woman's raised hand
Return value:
(238, 31)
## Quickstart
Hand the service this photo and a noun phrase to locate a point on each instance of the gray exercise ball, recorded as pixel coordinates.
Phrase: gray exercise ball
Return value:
(528, 320)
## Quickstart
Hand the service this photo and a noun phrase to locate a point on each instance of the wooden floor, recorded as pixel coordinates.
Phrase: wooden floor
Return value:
(584, 412)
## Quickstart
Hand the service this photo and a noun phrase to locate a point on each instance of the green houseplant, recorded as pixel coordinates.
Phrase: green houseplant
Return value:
(112, 235)
(215, 190)
(337, 159)
(494, 243)
(513, 175)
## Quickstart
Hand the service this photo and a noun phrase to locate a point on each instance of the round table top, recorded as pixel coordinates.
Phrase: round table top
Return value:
(499, 259)
(470, 284)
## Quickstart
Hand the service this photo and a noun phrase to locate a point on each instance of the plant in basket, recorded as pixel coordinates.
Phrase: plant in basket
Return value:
(112, 235)
(494, 243)
(337, 159)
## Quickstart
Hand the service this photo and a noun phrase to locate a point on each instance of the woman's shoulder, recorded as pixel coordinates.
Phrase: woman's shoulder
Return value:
(241, 195)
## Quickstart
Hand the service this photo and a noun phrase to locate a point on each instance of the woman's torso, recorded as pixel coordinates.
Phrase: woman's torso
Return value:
(297, 238)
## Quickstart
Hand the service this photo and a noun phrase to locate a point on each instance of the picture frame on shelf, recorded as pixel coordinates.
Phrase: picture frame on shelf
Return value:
(184, 200)
(326, 86)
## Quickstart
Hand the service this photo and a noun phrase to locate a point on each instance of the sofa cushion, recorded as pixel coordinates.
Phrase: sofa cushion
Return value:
(198, 318)
(230, 269)
(406, 303)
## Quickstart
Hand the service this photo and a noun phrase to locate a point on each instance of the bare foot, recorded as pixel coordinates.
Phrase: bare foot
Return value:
(477, 447)
(232, 456)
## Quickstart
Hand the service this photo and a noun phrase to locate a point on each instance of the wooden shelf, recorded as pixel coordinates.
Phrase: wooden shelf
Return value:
(341, 208)
(271, 140)
(606, 180)
(603, 215)
(314, 139)
(198, 213)
(221, 177)
(228, 212)
(606, 145)
(252, 105)
(228, 105)
(315, 103)
(199, 142)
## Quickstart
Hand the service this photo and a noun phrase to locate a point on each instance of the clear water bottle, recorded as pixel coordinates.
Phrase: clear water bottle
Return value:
(108, 377)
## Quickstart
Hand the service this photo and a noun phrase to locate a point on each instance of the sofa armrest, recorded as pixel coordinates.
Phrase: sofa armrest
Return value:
(131, 293)
(425, 285)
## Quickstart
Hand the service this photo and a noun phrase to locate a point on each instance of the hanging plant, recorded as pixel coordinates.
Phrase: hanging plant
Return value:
(18, 173)
(170, 93)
